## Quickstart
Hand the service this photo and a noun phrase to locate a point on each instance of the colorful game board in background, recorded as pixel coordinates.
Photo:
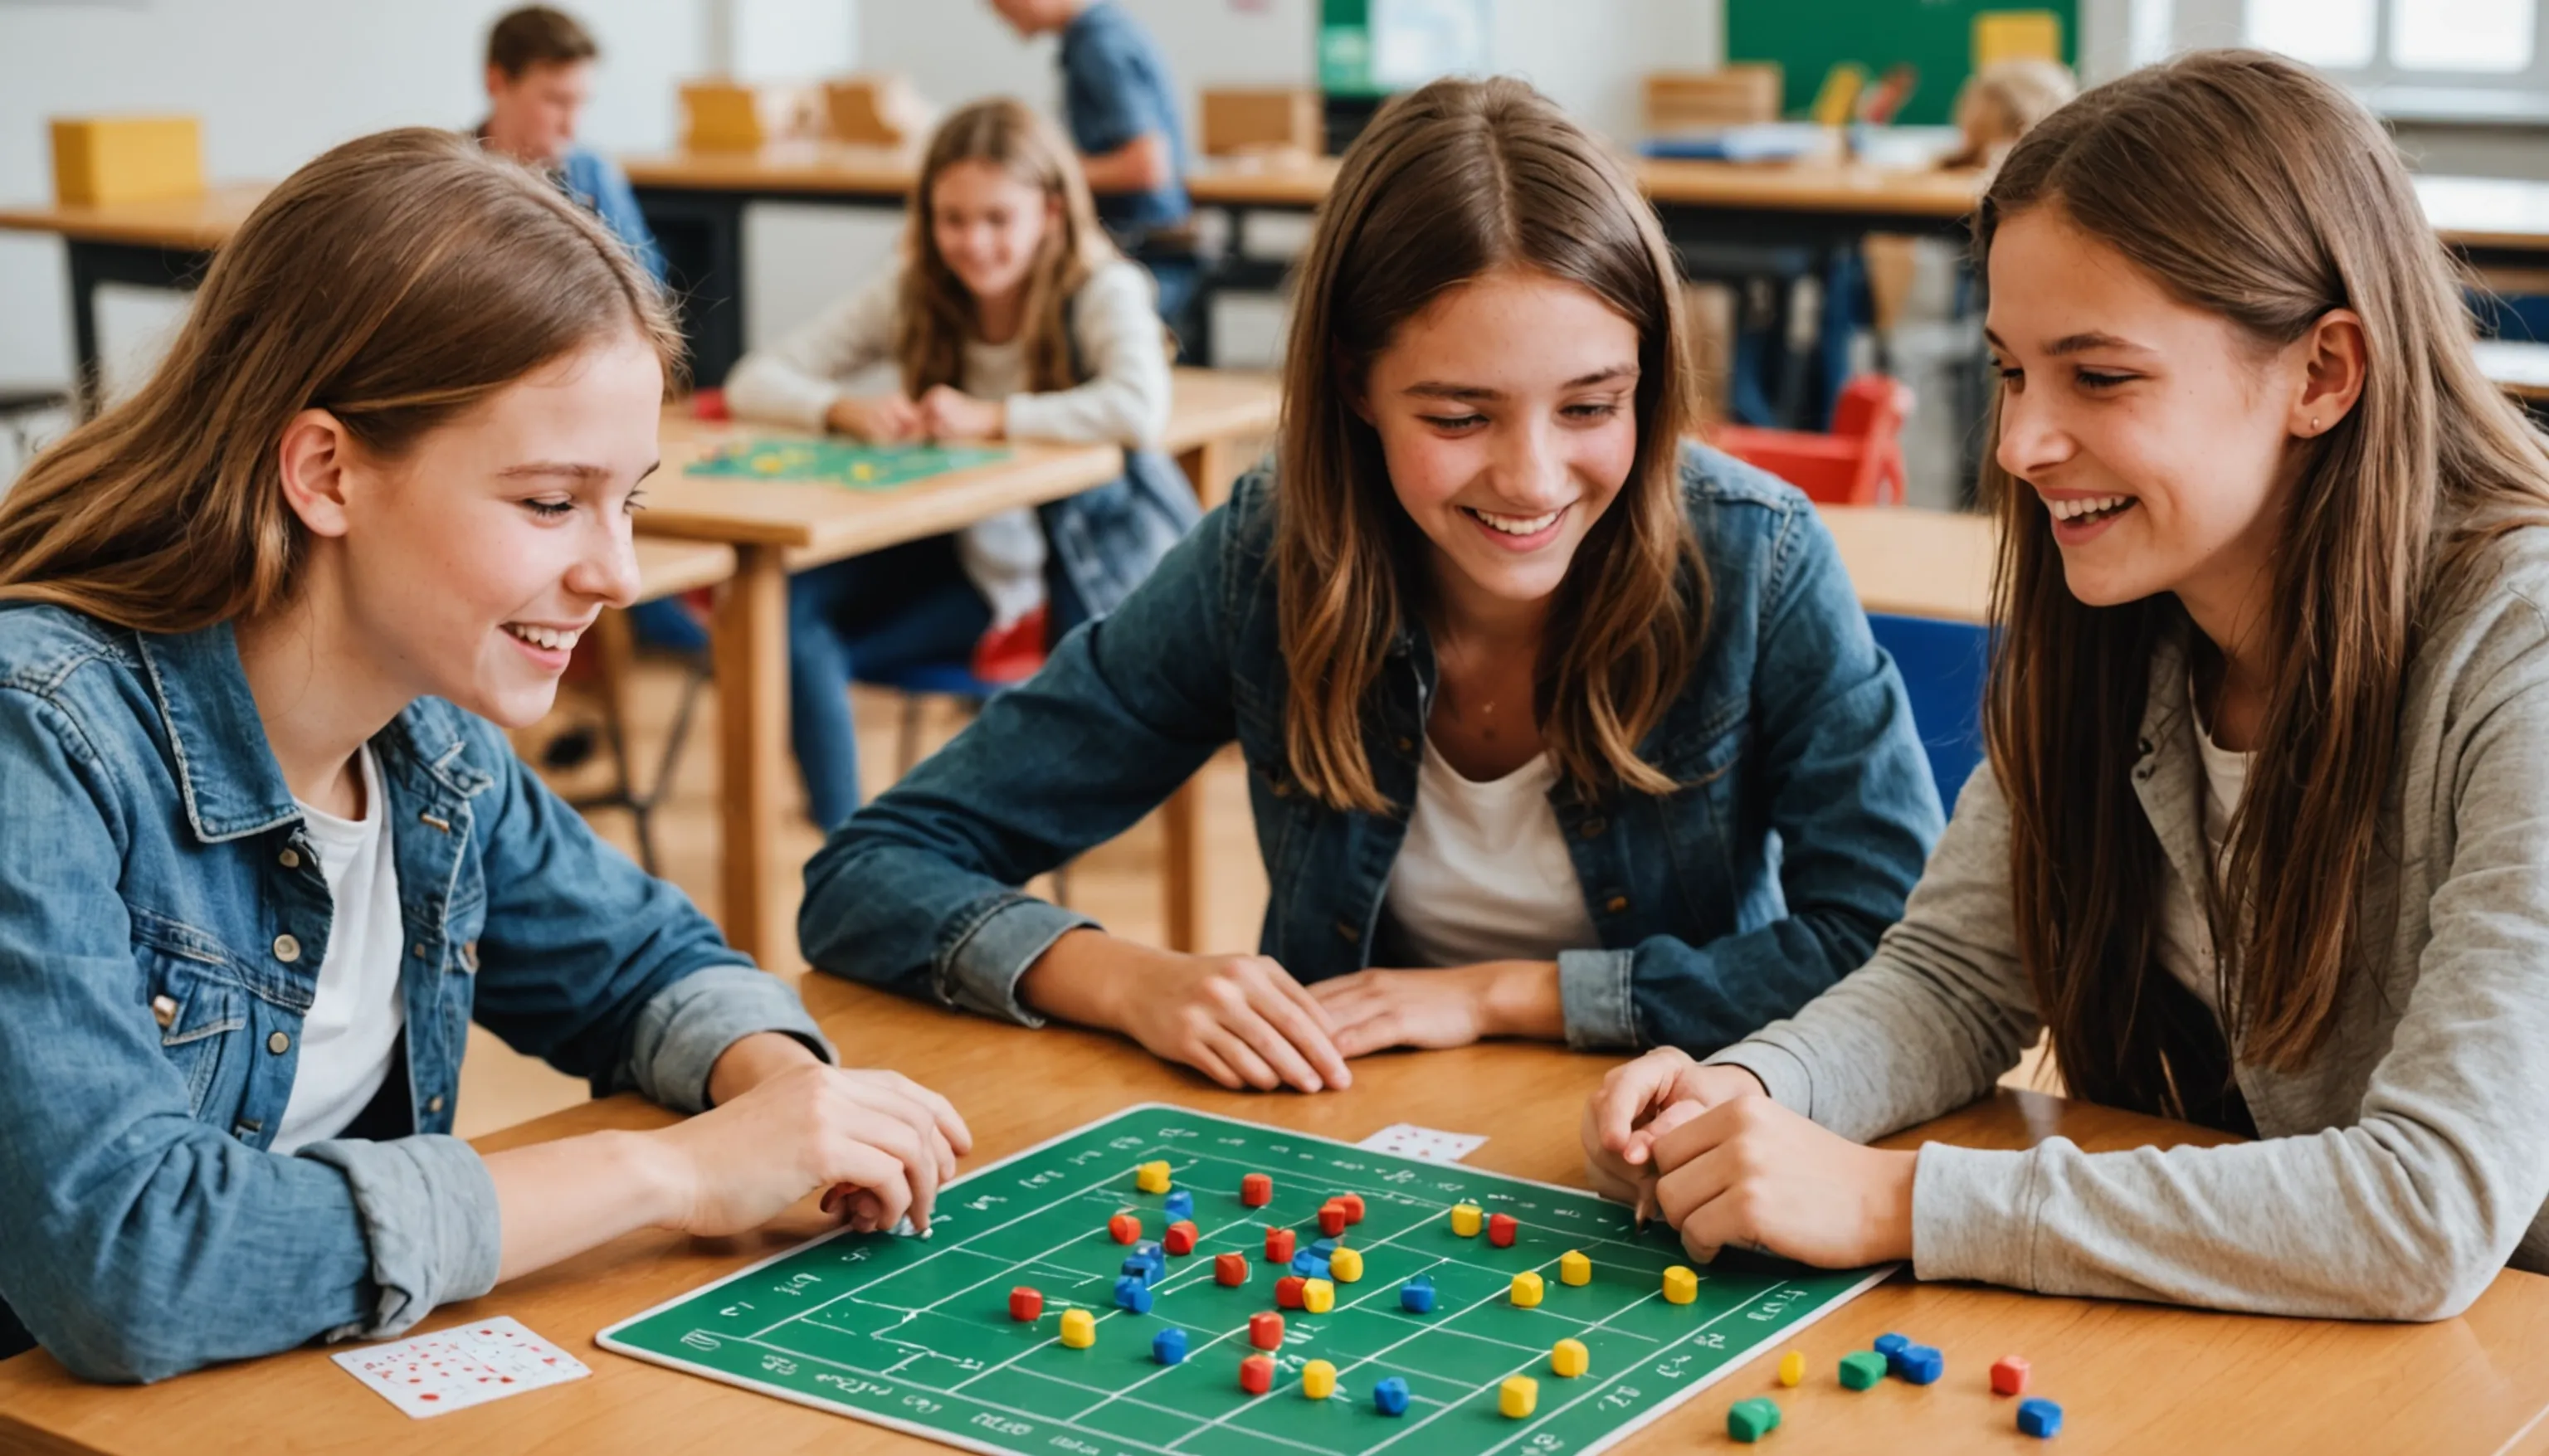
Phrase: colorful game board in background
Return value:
(841, 462)
(922, 1335)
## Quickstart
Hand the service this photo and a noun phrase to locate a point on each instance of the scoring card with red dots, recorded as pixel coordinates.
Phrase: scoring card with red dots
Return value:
(463, 1366)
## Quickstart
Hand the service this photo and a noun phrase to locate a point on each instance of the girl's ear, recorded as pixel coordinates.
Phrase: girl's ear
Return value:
(2334, 359)
(316, 457)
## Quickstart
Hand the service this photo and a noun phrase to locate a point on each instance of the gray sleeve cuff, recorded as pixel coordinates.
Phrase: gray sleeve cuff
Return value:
(430, 1215)
(1973, 1214)
(688, 1023)
(1593, 996)
(993, 951)
(1782, 1074)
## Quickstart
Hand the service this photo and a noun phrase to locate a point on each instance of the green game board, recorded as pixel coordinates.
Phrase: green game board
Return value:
(841, 462)
(915, 1334)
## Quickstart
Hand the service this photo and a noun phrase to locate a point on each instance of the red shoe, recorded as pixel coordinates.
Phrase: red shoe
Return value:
(1011, 654)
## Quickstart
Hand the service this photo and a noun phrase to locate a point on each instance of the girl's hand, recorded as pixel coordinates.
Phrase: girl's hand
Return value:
(1452, 1007)
(1750, 1173)
(1641, 1101)
(888, 420)
(1240, 1020)
(880, 1142)
(949, 413)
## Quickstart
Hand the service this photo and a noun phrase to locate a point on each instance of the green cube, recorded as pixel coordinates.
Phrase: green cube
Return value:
(1750, 1421)
(1863, 1370)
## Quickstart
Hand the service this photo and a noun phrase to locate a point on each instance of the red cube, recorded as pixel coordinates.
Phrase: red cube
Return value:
(1266, 1330)
(1230, 1269)
(1180, 1237)
(1352, 1202)
(1287, 1292)
(1124, 1227)
(1501, 1229)
(2008, 1377)
(1256, 1375)
(1332, 1218)
(1025, 1304)
(1256, 1190)
(1278, 1246)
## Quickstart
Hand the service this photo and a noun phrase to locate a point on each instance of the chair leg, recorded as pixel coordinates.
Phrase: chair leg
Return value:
(615, 654)
(908, 742)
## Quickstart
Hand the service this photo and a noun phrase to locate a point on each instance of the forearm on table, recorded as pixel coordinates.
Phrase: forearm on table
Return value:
(558, 1199)
(1080, 978)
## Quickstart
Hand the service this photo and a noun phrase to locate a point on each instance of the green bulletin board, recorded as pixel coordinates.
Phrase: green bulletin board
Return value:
(1806, 37)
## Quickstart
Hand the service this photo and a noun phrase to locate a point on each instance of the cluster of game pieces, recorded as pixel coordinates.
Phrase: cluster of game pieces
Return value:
(1309, 1285)
(1895, 1355)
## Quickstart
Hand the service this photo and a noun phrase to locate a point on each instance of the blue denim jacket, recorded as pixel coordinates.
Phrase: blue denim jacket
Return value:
(162, 923)
(1723, 906)
(597, 182)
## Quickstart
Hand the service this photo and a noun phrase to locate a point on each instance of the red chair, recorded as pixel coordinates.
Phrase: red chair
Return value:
(1861, 462)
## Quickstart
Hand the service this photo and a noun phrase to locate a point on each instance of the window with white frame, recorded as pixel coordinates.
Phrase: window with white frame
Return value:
(2444, 57)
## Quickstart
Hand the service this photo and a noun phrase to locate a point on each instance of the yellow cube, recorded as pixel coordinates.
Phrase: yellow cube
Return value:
(1568, 1359)
(111, 159)
(1152, 1177)
(1467, 1220)
(1792, 1368)
(1575, 1268)
(1525, 1289)
(1517, 1395)
(1078, 1329)
(1318, 1296)
(1318, 1380)
(1344, 1265)
(1681, 1285)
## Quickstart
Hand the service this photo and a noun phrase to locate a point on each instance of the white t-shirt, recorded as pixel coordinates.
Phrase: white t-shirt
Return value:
(351, 1032)
(2184, 937)
(1483, 874)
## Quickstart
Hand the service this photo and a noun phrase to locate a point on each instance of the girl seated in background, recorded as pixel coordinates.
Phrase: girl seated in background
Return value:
(265, 857)
(2264, 834)
(1010, 317)
(1579, 729)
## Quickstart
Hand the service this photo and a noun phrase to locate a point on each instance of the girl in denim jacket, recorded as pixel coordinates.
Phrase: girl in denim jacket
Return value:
(1556, 727)
(265, 857)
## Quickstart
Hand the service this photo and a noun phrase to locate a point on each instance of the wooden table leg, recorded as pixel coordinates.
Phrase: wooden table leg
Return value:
(750, 641)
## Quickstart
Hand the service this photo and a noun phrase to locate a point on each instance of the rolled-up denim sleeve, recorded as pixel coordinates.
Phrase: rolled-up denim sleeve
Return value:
(1596, 994)
(688, 1026)
(430, 1222)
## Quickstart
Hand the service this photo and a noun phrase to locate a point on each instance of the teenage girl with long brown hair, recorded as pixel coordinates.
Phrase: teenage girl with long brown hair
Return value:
(1010, 316)
(265, 857)
(1554, 727)
(2264, 836)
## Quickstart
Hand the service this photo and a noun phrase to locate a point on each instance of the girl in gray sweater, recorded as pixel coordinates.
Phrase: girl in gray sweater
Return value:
(2263, 838)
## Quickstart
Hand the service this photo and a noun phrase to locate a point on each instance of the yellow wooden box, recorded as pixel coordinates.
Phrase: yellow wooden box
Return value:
(111, 159)
(876, 111)
(1278, 119)
(728, 116)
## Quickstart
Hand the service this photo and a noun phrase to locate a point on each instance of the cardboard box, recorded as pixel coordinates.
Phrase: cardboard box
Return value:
(876, 111)
(1283, 118)
(728, 116)
(111, 159)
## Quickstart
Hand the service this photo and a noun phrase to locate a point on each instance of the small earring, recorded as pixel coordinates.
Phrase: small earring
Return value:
(2314, 424)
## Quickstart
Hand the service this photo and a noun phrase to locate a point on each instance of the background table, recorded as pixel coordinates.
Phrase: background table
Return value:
(2131, 1378)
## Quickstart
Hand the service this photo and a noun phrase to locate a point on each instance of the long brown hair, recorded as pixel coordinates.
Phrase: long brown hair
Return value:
(937, 312)
(394, 282)
(2249, 187)
(1448, 183)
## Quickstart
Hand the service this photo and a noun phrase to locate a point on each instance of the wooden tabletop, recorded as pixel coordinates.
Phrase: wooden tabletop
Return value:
(2130, 1376)
(667, 567)
(1292, 181)
(832, 168)
(201, 222)
(1917, 563)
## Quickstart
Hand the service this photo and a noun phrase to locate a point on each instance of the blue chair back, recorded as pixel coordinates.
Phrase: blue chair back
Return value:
(1942, 665)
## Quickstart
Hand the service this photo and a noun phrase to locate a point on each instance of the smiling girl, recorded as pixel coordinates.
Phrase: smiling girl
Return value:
(2264, 838)
(265, 856)
(1554, 727)
(1012, 318)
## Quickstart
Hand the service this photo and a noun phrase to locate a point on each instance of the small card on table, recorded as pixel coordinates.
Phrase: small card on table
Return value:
(1425, 1144)
(463, 1366)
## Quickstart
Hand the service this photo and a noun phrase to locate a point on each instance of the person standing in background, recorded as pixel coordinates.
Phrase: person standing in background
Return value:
(1121, 109)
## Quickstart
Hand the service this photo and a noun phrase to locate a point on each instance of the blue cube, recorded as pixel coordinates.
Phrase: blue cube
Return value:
(1389, 1395)
(1169, 1348)
(1890, 1345)
(1150, 1252)
(2038, 1419)
(1416, 1297)
(1133, 1293)
(1920, 1364)
(1309, 1265)
(1181, 1205)
(1325, 1249)
(1133, 1268)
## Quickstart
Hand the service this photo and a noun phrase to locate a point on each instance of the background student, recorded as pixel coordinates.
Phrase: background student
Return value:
(1009, 317)
(1527, 690)
(2263, 838)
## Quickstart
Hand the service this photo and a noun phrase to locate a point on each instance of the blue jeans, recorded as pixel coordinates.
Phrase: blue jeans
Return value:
(866, 616)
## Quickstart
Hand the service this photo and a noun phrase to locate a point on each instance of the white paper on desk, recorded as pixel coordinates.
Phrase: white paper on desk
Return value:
(1425, 1145)
(463, 1366)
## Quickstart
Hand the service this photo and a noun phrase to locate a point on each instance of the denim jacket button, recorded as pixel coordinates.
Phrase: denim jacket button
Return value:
(1347, 930)
(1616, 904)
(419, 950)
(434, 1102)
(286, 949)
(1406, 744)
(163, 1010)
(279, 1044)
(1591, 828)
(289, 858)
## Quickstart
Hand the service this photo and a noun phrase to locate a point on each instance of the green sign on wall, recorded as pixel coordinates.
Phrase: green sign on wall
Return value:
(1808, 37)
